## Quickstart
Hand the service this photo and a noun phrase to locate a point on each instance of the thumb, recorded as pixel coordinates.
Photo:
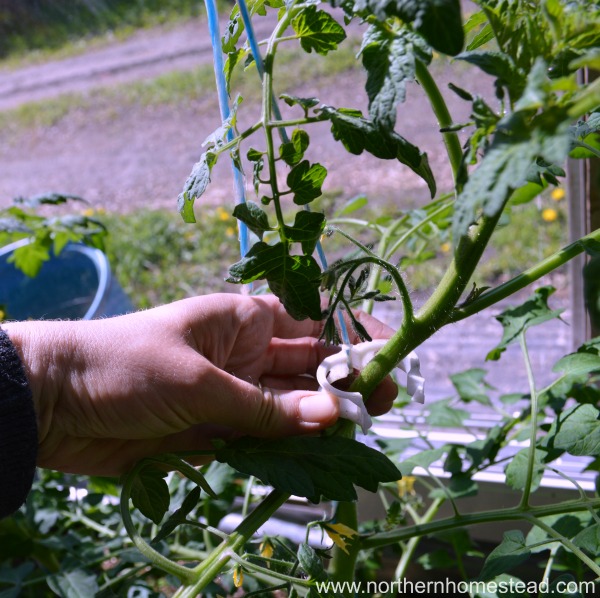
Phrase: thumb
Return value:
(269, 412)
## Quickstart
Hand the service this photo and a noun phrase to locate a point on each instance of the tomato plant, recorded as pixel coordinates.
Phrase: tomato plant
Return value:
(511, 150)
(515, 148)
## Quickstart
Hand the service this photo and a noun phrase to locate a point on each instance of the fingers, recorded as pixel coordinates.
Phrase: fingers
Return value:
(284, 326)
(290, 357)
(375, 328)
(383, 397)
(266, 412)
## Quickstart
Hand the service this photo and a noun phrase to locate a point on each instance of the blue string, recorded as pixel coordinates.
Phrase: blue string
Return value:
(215, 38)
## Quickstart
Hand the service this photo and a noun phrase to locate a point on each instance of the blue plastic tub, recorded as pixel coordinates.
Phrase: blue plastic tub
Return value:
(76, 284)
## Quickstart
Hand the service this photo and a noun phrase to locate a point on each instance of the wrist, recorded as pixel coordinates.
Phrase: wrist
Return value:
(39, 348)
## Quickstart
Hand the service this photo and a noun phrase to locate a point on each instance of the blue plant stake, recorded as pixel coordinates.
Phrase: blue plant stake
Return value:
(215, 38)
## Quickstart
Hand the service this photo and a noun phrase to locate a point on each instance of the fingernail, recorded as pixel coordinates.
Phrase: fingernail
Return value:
(317, 409)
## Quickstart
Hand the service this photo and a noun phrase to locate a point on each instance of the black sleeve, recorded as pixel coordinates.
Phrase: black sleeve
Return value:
(18, 430)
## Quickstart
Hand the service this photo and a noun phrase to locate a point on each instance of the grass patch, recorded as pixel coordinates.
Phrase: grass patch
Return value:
(175, 88)
(66, 26)
(157, 258)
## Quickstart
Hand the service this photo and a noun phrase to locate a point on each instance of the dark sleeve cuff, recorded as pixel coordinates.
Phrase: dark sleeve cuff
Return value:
(18, 430)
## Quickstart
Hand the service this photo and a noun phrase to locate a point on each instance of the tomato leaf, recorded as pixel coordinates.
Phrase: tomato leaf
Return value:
(150, 493)
(576, 369)
(505, 167)
(389, 60)
(461, 485)
(516, 470)
(444, 414)
(253, 217)
(576, 431)
(73, 584)
(294, 279)
(423, 459)
(292, 151)
(179, 516)
(511, 552)
(195, 186)
(307, 229)
(517, 320)
(305, 181)
(305, 103)
(318, 30)
(438, 21)
(313, 467)
(359, 134)
(501, 66)
(589, 539)
(311, 562)
(471, 385)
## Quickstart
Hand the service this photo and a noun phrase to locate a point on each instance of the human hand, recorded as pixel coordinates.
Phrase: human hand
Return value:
(109, 392)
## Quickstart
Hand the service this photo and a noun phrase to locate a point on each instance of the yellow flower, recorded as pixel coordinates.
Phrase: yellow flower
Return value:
(230, 231)
(266, 549)
(2, 314)
(340, 534)
(445, 247)
(222, 214)
(406, 485)
(549, 214)
(238, 577)
(89, 212)
(557, 194)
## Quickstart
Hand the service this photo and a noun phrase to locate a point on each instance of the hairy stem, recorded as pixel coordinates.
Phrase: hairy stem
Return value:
(524, 504)
(208, 569)
(440, 109)
(566, 543)
(441, 525)
(552, 262)
(267, 111)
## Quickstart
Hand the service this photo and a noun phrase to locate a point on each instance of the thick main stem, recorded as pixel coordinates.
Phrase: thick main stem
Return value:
(414, 330)
(208, 569)
(436, 311)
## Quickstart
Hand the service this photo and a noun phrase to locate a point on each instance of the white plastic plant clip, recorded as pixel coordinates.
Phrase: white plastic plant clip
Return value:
(336, 367)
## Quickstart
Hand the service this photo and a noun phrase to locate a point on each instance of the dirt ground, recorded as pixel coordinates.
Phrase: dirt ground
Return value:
(125, 158)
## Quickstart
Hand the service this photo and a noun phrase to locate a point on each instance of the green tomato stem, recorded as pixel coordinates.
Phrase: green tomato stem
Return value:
(524, 504)
(547, 265)
(440, 109)
(208, 569)
(565, 542)
(513, 514)
(342, 564)
(413, 543)
(183, 573)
